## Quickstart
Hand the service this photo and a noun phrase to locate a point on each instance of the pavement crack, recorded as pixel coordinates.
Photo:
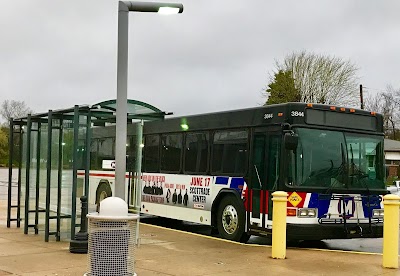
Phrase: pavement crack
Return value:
(152, 270)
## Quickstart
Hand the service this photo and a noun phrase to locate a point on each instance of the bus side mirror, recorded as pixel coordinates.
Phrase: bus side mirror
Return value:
(291, 140)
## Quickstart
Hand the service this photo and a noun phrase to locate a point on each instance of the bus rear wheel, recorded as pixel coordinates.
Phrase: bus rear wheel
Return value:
(103, 191)
(231, 220)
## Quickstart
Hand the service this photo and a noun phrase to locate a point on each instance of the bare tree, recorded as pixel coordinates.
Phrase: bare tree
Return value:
(14, 109)
(388, 104)
(322, 79)
(396, 95)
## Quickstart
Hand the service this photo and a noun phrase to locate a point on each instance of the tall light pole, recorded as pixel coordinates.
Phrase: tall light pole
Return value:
(124, 7)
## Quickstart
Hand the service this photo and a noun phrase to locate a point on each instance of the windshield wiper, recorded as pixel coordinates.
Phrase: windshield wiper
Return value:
(357, 172)
(341, 171)
(343, 168)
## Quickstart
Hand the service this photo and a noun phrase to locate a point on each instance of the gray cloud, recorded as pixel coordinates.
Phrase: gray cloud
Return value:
(215, 56)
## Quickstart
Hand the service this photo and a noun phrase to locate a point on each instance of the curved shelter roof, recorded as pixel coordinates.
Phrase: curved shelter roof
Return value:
(104, 112)
(136, 109)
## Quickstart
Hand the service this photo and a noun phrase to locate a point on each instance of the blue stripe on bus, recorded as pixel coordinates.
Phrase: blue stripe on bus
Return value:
(221, 180)
(237, 183)
(321, 203)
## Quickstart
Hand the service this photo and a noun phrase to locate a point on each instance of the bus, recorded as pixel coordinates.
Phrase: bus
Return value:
(220, 169)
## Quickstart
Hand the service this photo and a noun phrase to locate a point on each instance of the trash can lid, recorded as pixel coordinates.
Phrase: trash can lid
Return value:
(113, 206)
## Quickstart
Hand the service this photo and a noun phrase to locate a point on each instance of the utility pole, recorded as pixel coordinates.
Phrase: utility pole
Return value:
(361, 97)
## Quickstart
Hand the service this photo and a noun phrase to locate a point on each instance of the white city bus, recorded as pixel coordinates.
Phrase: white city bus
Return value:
(220, 169)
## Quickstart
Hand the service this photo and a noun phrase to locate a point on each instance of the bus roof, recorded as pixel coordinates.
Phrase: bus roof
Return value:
(295, 114)
(292, 113)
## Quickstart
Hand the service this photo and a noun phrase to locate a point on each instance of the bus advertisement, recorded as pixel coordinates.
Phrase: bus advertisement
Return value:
(220, 169)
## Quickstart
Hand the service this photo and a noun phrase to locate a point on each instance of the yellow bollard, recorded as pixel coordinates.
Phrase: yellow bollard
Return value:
(279, 225)
(391, 231)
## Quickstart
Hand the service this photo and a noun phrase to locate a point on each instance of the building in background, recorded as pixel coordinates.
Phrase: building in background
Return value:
(392, 156)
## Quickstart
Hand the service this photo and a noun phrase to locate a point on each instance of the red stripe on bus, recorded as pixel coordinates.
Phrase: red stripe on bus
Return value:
(101, 175)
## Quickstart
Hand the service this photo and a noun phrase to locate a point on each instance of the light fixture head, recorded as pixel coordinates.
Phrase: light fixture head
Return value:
(168, 10)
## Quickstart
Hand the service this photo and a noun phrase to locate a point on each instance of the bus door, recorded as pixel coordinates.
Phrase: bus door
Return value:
(264, 173)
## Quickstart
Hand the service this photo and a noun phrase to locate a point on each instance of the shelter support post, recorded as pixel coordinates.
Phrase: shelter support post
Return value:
(74, 170)
(59, 179)
(20, 150)
(10, 171)
(27, 171)
(87, 157)
(48, 178)
(138, 178)
(38, 145)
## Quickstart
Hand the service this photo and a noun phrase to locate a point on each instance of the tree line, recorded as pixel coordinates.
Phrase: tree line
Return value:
(9, 109)
(386, 102)
(315, 78)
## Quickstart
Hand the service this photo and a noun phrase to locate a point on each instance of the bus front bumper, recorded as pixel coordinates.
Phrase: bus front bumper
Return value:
(333, 231)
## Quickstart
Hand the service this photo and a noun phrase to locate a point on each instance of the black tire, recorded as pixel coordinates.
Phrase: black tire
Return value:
(231, 219)
(103, 191)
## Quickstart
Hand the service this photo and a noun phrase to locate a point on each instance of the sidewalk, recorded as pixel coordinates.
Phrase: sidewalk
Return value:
(171, 252)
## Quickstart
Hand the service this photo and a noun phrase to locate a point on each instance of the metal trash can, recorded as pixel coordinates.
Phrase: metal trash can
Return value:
(112, 239)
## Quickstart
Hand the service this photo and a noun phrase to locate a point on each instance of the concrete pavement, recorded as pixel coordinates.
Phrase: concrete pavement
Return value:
(171, 252)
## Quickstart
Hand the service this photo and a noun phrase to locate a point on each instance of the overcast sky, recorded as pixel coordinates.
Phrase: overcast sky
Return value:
(215, 56)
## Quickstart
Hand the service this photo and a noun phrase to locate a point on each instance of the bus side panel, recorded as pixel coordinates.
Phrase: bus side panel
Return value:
(184, 197)
(174, 212)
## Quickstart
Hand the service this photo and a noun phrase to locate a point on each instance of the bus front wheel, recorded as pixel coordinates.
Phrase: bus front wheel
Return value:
(231, 220)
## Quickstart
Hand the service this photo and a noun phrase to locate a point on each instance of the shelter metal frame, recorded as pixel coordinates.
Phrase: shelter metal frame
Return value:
(21, 148)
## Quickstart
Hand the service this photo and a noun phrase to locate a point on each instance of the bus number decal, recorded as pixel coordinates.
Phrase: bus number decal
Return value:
(268, 116)
(297, 113)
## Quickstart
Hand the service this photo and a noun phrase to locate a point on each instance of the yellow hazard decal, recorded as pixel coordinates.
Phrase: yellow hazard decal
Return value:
(294, 199)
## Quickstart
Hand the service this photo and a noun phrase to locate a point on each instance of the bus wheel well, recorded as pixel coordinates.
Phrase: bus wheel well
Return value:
(103, 191)
(214, 208)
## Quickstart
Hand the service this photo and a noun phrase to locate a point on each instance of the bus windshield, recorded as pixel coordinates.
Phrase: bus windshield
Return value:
(336, 160)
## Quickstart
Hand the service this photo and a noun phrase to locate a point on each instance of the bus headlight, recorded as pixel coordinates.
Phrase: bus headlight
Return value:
(377, 213)
(307, 213)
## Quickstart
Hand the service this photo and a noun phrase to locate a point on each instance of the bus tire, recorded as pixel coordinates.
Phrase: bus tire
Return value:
(103, 191)
(231, 219)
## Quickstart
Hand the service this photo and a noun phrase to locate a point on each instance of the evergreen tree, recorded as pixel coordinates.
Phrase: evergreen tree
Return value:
(282, 89)
(3, 146)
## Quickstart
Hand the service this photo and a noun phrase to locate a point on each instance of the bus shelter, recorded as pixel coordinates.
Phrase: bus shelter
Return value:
(47, 151)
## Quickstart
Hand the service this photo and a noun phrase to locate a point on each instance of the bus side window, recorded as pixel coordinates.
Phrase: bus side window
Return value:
(230, 152)
(81, 154)
(151, 153)
(94, 151)
(171, 152)
(105, 150)
(131, 151)
(196, 152)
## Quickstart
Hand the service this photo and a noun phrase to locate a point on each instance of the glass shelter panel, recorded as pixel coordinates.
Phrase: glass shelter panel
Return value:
(31, 162)
(22, 172)
(42, 176)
